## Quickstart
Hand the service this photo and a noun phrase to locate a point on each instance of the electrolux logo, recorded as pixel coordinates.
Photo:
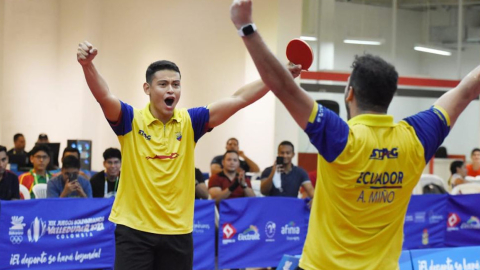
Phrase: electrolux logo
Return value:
(249, 234)
(473, 223)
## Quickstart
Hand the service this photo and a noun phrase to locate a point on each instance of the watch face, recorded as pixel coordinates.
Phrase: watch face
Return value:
(247, 30)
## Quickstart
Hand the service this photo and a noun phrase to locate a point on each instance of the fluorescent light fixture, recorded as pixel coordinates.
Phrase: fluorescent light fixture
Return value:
(308, 38)
(364, 41)
(431, 49)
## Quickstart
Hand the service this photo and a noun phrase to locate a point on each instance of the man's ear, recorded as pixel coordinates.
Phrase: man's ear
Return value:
(146, 88)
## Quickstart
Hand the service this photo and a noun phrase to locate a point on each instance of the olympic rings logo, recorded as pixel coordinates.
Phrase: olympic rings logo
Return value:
(15, 239)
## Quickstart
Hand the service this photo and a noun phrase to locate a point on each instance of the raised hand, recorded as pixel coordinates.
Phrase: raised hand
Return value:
(241, 12)
(86, 53)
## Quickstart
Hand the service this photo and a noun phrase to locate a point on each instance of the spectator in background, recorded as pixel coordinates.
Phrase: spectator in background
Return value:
(9, 188)
(17, 154)
(459, 172)
(69, 183)
(70, 151)
(43, 138)
(201, 190)
(39, 157)
(105, 183)
(473, 169)
(246, 164)
(290, 177)
(230, 182)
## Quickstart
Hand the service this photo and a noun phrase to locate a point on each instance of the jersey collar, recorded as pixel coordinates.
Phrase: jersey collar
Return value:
(150, 118)
(377, 120)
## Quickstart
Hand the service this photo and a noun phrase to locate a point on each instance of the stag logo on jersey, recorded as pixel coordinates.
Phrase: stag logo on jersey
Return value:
(380, 154)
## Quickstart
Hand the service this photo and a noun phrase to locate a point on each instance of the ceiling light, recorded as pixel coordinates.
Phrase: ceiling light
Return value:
(431, 49)
(364, 41)
(308, 38)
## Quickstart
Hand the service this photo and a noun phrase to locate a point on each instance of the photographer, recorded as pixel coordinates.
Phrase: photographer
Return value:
(283, 178)
(69, 183)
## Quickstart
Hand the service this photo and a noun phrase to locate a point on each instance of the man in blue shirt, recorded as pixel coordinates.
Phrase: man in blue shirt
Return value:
(290, 177)
(69, 183)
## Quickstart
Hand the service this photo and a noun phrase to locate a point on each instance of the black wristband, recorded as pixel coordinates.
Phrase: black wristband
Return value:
(233, 186)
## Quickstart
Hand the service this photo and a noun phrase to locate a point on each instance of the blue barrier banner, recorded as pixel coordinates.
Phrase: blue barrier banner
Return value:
(204, 235)
(405, 262)
(56, 234)
(463, 223)
(425, 222)
(256, 232)
(465, 258)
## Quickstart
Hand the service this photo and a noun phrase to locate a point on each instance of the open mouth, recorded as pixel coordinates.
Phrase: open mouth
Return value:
(169, 101)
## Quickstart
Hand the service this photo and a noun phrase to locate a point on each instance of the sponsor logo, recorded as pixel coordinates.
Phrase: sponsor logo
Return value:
(380, 154)
(249, 234)
(228, 232)
(37, 229)
(179, 136)
(270, 228)
(420, 217)
(291, 230)
(434, 218)
(147, 137)
(171, 156)
(199, 227)
(472, 223)
(409, 218)
(452, 221)
(287, 265)
(16, 231)
(320, 113)
(425, 237)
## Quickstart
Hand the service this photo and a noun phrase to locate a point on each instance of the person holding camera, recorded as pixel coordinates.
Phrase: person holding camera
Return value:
(69, 183)
(283, 178)
(230, 182)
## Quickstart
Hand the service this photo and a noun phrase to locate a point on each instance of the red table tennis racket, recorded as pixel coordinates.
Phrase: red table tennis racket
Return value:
(300, 53)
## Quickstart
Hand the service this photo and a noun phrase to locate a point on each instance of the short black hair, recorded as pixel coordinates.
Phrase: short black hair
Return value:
(374, 82)
(41, 147)
(112, 153)
(232, 139)
(69, 149)
(3, 149)
(454, 165)
(475, 150)
(228, 152)
(70, 162)
(287, 143)
(160, 65)
(43, 136)
(17, 136)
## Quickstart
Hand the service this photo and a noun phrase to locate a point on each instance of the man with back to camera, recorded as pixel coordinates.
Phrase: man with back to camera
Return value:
(105, 183)
(246, 163)
(368, 166)
(157, 144)
(291, 177)
(9, 188)
(69, 184)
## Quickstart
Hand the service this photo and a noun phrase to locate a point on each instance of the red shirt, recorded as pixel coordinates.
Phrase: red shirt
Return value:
(222, 181)
(471, 172)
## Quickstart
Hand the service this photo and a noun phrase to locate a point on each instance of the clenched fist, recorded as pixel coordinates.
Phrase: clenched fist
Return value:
(85, 53)
(241, 12)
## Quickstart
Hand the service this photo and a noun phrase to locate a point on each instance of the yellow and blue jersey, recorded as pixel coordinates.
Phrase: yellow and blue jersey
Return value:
(367, 169)
(156, 192)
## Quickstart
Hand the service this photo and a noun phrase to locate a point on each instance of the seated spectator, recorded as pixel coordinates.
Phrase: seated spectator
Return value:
(69, 183)
(39, 157)
(105, 183)
(459, 172)
(291, 177)
(230, 182)
(473, 169)
(70, 151)
(17, 154)
(42, 138)
(246, 164)
(9, 188)
(201, 190)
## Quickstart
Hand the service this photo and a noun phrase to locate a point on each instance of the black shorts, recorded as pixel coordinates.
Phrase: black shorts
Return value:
(147, 251)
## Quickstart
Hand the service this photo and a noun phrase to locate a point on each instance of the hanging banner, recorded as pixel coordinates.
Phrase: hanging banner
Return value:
(204, 235)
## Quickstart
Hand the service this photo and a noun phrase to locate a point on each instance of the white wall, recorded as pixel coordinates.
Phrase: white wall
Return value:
(44, 89)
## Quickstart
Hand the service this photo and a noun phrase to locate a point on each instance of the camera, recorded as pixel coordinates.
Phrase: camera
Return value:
(280, 161)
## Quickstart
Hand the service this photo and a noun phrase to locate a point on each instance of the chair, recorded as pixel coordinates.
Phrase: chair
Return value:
(24, 191)
(256, 187)
(426, 179)
(40, 191)
(467, 188)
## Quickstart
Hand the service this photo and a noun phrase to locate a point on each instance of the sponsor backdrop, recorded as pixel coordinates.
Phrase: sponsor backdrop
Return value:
(253, 232)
